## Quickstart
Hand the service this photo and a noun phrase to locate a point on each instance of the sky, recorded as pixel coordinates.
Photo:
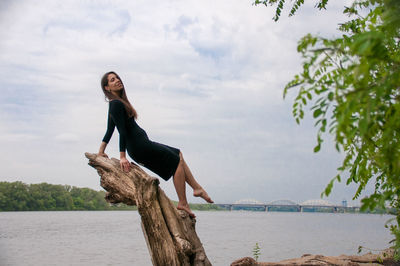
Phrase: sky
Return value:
(206, 77)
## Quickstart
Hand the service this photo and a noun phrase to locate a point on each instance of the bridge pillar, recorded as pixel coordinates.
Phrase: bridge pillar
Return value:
(266, 208)
(301, 209)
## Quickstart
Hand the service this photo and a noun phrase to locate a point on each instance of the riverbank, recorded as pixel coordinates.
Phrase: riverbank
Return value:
(383, 258)
(18, 196)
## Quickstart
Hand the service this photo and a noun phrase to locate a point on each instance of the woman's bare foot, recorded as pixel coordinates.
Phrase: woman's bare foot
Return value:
(185, 207)
(203, 194)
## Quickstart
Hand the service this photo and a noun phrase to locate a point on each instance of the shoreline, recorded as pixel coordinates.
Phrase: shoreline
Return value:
(134, 208)
(385, 257)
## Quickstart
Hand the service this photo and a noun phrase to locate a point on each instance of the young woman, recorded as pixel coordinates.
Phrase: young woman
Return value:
(161, 159)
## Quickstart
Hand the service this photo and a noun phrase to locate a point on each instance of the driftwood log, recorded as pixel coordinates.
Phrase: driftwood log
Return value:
(386, 258)
(170, 233)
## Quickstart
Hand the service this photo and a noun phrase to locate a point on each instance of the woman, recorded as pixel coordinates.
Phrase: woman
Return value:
(163, 160)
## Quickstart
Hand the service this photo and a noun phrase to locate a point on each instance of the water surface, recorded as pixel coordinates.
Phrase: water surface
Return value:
(116, 238)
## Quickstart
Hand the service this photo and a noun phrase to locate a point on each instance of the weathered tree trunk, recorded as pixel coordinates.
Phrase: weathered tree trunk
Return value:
(170, 234)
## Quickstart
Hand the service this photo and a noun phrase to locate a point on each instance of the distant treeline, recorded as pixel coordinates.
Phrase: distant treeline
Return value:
(18, 196)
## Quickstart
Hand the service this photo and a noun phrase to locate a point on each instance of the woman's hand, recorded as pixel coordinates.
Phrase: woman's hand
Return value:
(125, 165)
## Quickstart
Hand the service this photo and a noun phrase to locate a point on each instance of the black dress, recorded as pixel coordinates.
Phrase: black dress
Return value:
(159, 158)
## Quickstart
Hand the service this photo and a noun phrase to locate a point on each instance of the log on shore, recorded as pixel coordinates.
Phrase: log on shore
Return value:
(384, 258)
(170, 233)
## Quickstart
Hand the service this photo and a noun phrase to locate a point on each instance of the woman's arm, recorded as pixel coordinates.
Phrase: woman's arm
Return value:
(107, 136)
(118, 115)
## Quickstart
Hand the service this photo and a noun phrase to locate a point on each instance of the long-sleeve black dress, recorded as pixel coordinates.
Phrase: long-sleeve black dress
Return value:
(159, 158)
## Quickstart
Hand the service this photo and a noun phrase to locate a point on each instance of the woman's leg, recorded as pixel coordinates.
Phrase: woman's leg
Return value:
(180, 187)
(198, 191)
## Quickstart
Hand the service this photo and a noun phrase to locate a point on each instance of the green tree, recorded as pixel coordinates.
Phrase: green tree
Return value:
(352, 84)
(17, 196)
(14, 196)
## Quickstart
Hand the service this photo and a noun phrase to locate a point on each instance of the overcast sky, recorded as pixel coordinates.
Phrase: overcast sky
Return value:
(205, 76)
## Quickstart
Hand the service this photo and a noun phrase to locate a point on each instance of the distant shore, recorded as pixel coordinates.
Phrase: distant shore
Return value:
(18, 196)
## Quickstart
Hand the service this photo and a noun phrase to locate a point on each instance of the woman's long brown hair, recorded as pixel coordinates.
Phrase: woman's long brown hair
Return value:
(122, 97)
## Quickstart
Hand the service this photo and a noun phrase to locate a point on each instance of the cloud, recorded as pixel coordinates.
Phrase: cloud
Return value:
(67, 137)
(17, 137)
(181, 26)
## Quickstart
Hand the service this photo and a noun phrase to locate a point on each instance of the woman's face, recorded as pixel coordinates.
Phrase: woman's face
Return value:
(114, 83)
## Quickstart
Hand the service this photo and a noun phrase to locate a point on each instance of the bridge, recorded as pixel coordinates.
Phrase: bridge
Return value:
(288, 205)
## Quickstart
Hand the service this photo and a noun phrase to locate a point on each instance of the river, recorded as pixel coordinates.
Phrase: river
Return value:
(116, 238)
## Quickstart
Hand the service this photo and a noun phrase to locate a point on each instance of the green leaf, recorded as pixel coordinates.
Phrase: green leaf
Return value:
(317, 113)
(317, 148)
(328, 189)
(330, 96)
